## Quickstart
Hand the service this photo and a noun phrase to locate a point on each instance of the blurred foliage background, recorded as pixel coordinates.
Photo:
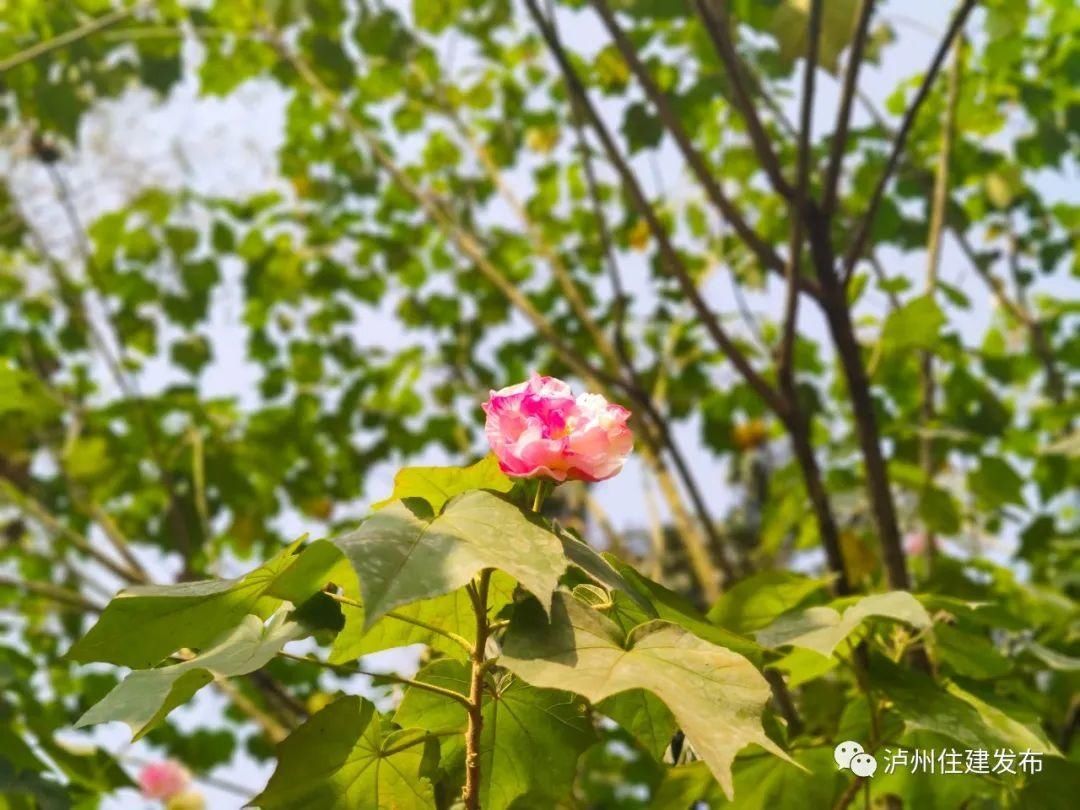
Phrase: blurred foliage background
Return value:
(869, 329)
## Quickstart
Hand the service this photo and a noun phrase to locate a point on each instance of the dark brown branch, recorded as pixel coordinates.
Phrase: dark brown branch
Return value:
(806, 123)
(843, 115)
(694, 159)
(672, 262)
(716, 24)
(900, 141)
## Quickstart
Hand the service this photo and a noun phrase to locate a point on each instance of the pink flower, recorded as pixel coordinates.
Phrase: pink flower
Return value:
(539, 429)
(163, 780)
(915, 544)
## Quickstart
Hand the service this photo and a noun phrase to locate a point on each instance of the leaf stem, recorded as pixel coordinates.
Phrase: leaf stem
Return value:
(352, 669)
(479, 591)
(541, 494)
(401, 617)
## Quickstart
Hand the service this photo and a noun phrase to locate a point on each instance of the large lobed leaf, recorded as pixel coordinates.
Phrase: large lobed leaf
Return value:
(402, 557)
(822, 629)
(343, 758)
(530, 741)
(451, 612)
(716, 695)
(143, 625)
(146, 696)
(437, 485)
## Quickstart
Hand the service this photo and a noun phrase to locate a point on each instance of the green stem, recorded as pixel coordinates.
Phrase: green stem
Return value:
(541, 495)
(454, 637)
(352, 669)
(478, 591)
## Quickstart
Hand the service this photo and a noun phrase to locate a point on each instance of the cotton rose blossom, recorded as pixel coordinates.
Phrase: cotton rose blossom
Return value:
(539, 429)
(916, 544)
(163, 780)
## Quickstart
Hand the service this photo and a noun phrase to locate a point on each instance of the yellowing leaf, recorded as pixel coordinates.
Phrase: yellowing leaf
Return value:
(790, 24)
(639, 235)
(437, 485)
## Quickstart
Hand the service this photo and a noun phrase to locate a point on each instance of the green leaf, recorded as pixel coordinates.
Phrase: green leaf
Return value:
(91, 768)
(645, 716)
(343, 758)
(915, 325)
(400, 557)
(641, 128)
(790, 23)
(146, 696)
(530, 741)
(144, 624)
(437, 485)
(969, 654)
(674, 608)
(452, 612)
(761, 783)
(716, 695)
(822, 629)
(601, 569)
(952, 711)
(754, 602)
(995, 483)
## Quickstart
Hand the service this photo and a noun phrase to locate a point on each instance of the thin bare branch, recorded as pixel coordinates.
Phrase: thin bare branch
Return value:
(55, 593)
(37, 511)
(843, 114)
(719, 30)
(671, 260)
(806, 123)
(862, 233)
(694, 159)
(68, 37)
(938, 205)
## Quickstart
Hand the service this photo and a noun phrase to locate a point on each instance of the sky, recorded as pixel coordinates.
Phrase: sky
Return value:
(227, 147)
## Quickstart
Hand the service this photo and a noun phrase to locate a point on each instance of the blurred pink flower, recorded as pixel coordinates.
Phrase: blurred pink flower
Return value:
(915, 543)
(539, 429)
(163, 780)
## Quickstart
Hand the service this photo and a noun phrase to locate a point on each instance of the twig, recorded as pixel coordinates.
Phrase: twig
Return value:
(843, 114)
(791, 302)
(938, 207)
(719, 31)
(47, 590)
(671, 259)
(693, 157)
(863, 231)
(38, 511)
(68, 37)
(475, 702)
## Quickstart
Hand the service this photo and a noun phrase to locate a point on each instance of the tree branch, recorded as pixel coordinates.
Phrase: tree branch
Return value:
(65, 39)
(938, 206)
(694, 159)
(671, 259)
(862, 233)
(719, 31)
(806, 123)
(843, 115)
(55, 593)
